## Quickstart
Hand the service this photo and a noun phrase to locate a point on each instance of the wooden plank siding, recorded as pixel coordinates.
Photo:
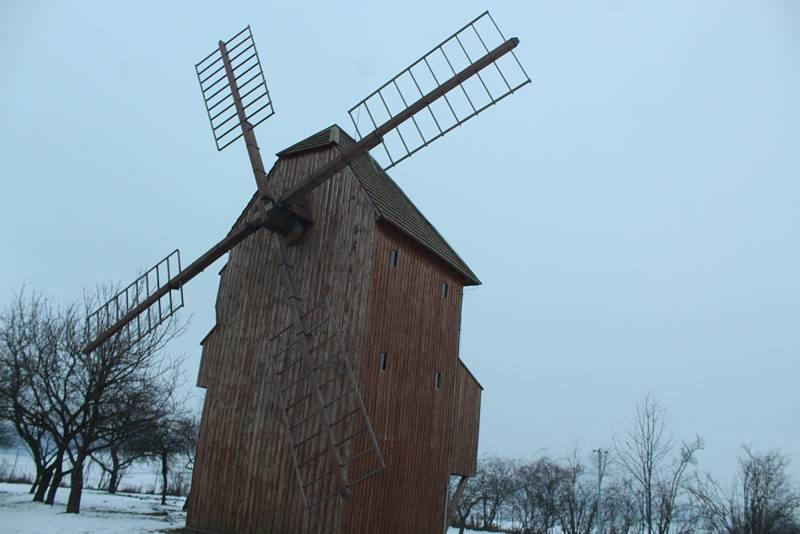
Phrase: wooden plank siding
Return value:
(243, 480)
(418, 328)
(467, 403)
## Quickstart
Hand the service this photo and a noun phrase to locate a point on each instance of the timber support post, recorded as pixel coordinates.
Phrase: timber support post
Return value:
(452, 506)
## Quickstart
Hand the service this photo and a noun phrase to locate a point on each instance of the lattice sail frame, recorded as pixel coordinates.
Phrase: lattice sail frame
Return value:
(157, 277)
(315, 468)
(217, 94)
(485, 88)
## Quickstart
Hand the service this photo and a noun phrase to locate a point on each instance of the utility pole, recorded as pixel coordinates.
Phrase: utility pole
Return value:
(602, 460)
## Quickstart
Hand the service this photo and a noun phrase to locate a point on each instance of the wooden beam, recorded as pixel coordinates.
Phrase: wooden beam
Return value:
(452, 506)
(373, 139)
(180, 279)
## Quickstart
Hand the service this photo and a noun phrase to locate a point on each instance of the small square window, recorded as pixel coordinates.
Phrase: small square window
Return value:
(384, 360)
(393, 255)
(445, 289)
(437, 379)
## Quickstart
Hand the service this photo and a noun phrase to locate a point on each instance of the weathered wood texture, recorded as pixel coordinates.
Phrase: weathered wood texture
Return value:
(416, 424)
(466, 423)
(243, 480)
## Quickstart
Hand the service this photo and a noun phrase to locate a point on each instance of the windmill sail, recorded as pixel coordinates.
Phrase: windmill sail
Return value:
(106, 322)
(405, 113)
(487, 84)
(338, 411)
(143, 305)
(218, 93)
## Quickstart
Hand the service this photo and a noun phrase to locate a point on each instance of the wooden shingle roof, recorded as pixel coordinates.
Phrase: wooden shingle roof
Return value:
(328, 136)
(391, 203)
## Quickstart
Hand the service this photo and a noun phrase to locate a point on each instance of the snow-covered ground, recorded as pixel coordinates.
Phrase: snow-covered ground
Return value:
(100, 513)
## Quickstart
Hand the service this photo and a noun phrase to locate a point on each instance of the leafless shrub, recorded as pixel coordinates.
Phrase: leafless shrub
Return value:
(762, 500)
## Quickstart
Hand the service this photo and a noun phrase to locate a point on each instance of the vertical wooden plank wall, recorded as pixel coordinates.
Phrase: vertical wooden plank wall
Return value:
(466, 423)
(412, 321)
(244, 481)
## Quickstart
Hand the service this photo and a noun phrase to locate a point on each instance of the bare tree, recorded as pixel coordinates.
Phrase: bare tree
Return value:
(496, 484)
(68, 405)
(29, 332)
(647, 454)
(621, 505)
(536, 503)
(120, 454)
(172, 436)
(578, 498)
(7, 433)
(469, 500)
(762, 499)
(119, 388)
(189, 432)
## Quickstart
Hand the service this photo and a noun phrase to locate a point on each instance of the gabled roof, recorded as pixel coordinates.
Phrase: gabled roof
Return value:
(391, 203)
(328, 136)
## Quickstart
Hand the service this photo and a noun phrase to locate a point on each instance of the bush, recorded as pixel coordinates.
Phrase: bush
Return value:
(130, 488)
(179, 483)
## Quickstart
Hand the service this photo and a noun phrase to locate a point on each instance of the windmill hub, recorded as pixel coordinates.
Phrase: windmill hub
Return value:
(289, 221)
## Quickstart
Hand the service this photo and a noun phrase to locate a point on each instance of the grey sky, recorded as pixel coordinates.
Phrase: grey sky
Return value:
(632, 214)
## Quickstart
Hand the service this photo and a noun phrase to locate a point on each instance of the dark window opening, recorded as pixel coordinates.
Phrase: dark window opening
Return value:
(393, 257)
(384, 360)
(437, 379)
(445, 288)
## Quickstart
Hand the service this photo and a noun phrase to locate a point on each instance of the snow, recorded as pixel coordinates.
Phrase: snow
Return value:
(124, 513)
(101, 513)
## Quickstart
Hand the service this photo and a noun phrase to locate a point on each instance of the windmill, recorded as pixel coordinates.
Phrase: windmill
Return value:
(324, 418)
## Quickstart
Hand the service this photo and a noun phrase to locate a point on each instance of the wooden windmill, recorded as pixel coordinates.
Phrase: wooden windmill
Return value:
(286, 441)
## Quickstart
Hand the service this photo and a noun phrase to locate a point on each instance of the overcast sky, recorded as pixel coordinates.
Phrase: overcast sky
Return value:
(632, 214)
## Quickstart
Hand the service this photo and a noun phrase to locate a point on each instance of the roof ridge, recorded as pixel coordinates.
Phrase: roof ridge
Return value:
(326, 136)
(388, 199)
(455, 261)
